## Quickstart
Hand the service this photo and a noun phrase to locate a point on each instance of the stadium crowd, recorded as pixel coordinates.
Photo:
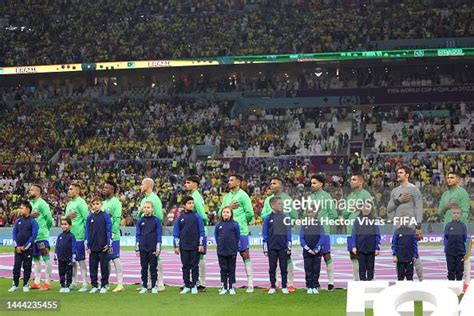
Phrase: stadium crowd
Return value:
(112, 146)
(152, 29)
(422, 129)
(153, 129)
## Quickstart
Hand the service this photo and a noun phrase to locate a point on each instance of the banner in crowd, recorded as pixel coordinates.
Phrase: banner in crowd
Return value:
(398, 95)
(324, 163)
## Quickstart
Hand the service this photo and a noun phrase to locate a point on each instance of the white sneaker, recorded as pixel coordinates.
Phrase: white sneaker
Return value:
(61, 290)
(93, 290)
(84, 288)
(161, 288)
(194, 290)
(185, 290)
(315, 291)
(73, 286)
(271, 291)
(103, 290)
(143, 290)
(284, 290)
(154, 290)
(222, 291)
(309, 291)
(13, 288)
(26, 288)
(66, 290)
(249, 289)
(232, 291)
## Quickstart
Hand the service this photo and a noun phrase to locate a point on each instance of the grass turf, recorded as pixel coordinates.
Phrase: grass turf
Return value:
(171, 302)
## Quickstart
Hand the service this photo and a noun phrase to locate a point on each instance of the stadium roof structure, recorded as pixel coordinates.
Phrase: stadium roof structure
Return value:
(239, 60)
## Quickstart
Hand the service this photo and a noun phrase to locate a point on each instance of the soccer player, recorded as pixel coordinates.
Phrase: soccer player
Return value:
(113, 208)
(227, 236)
(277, 244)
(188, 233)
(311, 241)
(325, 210)
(77, 210)
(354, 203)
(44, 218)
(146, 189)
(191, 186)
(406, 199)
(404, 249)
(455, 236)
(25, 231)
(148, 245)
(366, 243)
(241, 205)
(65, 252)
(276, 186)
(98, 242)
(457, 197)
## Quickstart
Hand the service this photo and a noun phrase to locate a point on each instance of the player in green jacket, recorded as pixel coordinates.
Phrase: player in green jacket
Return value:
(355, 202)
(43, 216)
(325, 209)
(241, 205)
(191, 186)
(457, 197)
(276, 186)
(147, 189)
(77, 210)
(113, 207)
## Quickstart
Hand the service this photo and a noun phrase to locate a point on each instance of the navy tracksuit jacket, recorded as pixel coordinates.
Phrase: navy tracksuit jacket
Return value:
(148, 242)
(277, 243)
(405, 248)
(25, 231)
(188, 233)
(98, 237)
(227, 235)
(65, 252)
(455, 237)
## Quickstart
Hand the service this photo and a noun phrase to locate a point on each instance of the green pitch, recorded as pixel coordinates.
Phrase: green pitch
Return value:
(171, 302)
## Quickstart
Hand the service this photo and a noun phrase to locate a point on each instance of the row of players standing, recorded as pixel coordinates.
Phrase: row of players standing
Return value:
(405, 199)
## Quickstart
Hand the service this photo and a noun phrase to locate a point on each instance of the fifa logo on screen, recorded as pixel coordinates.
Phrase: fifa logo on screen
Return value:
(440, 298)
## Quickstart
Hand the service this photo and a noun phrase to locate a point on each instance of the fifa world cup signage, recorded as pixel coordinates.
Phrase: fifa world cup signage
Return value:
(439, 297)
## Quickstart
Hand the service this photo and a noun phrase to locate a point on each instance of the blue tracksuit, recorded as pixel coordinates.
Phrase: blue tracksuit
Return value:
(65, 247)
(311, 238)
(188, 233)
(25, 231)
(455, 237)
(405, 248)
(148, 242)
(227, 235)
(65, 252)
(366, 238)
(277, 243)
(99, 241)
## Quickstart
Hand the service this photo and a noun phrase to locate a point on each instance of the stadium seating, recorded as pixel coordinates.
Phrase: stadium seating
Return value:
(153, 29)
